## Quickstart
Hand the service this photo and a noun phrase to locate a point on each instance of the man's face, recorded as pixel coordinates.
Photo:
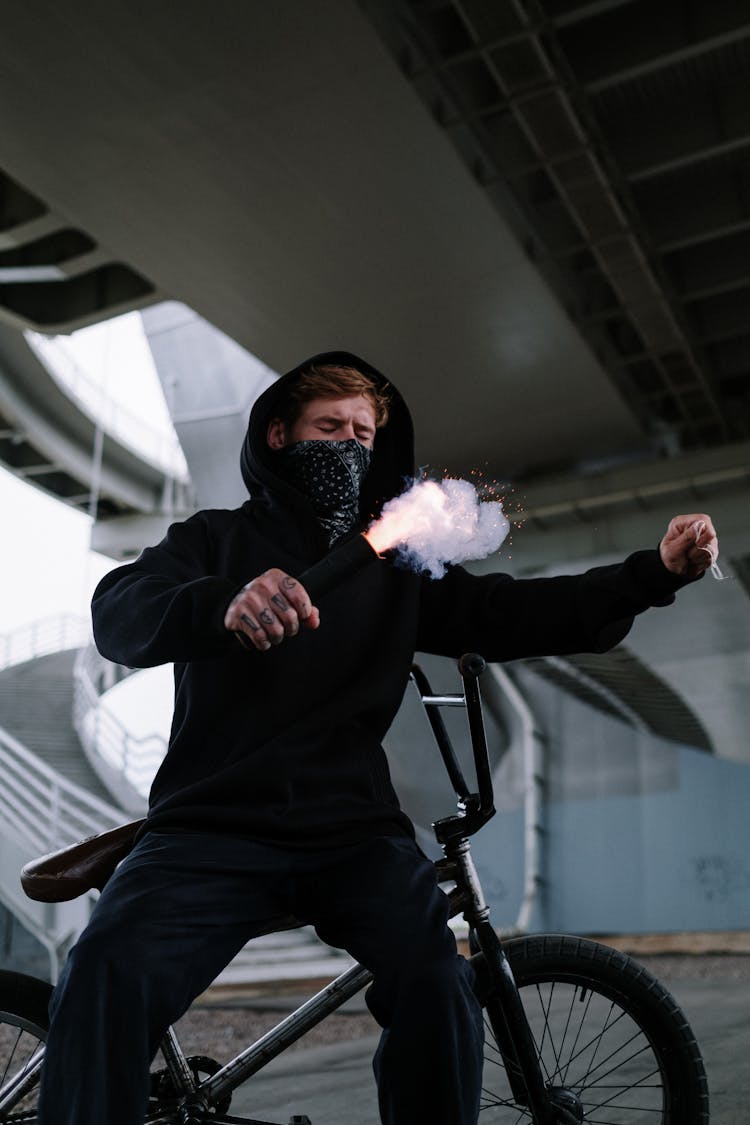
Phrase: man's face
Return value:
(328, 419)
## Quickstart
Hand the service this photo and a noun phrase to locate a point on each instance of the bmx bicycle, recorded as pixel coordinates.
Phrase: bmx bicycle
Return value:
(576, 1032)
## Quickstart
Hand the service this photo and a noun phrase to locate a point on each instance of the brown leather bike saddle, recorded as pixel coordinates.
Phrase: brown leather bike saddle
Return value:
(68, 873)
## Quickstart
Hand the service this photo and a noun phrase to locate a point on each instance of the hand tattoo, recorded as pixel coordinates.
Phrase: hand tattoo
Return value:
(266, 617)
(279, 601)
(250, 623)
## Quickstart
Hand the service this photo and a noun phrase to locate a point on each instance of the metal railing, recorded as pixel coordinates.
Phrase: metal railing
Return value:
(42, 637)
(46, 809)
(162, 449)
(134, 760)
(41, 811)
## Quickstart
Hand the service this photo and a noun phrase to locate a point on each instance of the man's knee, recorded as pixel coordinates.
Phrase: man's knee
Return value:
(430, 990)
(443, 977)
(108, 961)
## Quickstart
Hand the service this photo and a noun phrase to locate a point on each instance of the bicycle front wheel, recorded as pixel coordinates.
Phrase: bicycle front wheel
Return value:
(23, 1029)
(613, 1045)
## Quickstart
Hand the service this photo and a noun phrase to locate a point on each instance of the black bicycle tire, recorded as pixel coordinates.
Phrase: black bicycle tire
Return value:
(25, 996)
(24, 1004)
(616, 977)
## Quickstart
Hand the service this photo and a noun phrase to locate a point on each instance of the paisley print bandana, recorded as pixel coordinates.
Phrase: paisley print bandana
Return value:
(330, 474)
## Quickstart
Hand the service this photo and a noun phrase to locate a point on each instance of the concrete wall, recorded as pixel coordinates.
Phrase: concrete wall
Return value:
(640, 834)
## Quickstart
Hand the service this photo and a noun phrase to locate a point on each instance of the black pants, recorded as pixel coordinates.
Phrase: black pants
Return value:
(181, 906)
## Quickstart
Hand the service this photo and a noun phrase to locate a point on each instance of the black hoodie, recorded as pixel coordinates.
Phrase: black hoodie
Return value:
(285, 745)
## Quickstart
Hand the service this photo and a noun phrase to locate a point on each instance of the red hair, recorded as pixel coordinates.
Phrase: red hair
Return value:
(334, 381)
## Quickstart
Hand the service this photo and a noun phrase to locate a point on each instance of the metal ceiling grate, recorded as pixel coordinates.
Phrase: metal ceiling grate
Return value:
(607, 133)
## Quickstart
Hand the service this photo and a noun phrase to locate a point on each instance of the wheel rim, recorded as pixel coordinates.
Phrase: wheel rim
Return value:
(588, 1045)
(19, 1040)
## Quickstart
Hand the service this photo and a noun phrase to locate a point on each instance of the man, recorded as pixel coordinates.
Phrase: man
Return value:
(274, 797)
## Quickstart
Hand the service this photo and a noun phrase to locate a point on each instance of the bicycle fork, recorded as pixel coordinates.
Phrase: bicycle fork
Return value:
(504, 1006)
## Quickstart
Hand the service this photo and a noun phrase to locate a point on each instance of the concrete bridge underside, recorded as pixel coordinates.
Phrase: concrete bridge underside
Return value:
(295, 175)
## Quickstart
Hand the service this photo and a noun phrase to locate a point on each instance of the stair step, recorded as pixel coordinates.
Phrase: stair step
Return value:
(36, 700)
(36, 704)
(286, 955)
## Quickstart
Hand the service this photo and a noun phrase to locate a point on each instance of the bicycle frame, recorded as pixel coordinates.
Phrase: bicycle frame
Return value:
(273, 1043)
(507, 1016)
(194, 1098)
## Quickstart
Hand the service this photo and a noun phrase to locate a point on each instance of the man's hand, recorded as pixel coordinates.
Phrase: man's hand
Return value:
(690, 545)
(270, 608)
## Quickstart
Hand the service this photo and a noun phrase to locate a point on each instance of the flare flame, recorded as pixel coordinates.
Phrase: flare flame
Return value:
(435, 523)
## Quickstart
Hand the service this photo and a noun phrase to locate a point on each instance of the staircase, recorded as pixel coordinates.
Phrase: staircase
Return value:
(286, 955)
(50, 796)
(36, 702)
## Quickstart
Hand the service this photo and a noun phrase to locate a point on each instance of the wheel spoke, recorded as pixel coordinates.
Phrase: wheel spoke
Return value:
(545, 1009)
(18, 1047)
(575, 1054)
(598, 1082)
(620, 1090)
(619, 1056)
(11, 1056)
(568, 1023)
(585, 1079)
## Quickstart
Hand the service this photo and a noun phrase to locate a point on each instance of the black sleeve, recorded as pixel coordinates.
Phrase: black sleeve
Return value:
(506, 619)
(166, 606)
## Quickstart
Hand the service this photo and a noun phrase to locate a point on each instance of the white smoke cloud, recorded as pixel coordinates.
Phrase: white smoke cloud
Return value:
(435, 523)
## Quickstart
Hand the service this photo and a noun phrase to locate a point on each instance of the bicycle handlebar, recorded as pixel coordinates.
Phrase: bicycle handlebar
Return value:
(477, 808)
(471, 665)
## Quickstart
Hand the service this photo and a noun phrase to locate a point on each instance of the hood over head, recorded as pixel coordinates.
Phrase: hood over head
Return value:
(393, 451)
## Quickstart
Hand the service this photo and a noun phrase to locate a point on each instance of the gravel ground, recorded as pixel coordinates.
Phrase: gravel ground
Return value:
(221, 1027)
(223, 1031)
(709, 966)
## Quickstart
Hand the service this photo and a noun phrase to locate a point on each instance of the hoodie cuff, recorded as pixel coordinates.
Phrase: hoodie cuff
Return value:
(659, 585)
(217, 615)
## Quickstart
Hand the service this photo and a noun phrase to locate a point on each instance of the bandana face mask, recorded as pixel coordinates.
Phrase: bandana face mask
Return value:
(330, 474)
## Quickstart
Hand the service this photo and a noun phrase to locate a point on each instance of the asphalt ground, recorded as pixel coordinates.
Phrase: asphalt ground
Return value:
(331, 1080)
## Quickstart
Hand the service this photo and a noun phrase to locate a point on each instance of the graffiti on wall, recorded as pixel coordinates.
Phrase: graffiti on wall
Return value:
(720, 877)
